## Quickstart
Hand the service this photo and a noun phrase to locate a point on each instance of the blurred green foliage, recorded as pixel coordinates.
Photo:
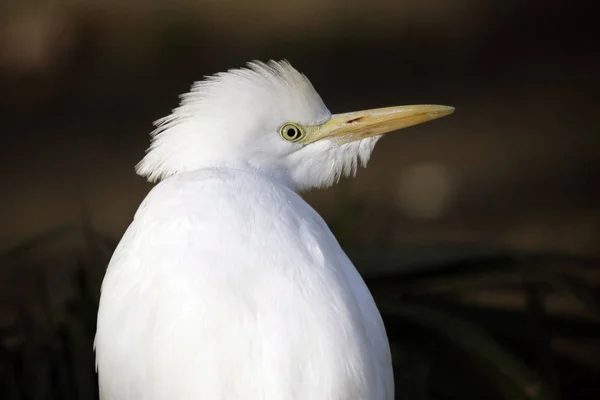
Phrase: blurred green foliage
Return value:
(443, 348)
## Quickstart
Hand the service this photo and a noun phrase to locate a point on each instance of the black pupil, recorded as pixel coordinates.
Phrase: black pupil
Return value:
(291, 132)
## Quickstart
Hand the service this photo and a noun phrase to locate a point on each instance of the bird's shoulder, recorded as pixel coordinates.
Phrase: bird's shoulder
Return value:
(225, 191)
(244, 206)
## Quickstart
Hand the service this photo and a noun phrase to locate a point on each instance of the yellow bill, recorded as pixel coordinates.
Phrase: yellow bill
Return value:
(348, 127)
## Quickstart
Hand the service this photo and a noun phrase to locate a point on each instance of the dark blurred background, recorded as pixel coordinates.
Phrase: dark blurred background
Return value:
(512, 175)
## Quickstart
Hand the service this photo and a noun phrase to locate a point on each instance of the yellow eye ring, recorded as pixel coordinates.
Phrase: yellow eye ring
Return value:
(291, 132)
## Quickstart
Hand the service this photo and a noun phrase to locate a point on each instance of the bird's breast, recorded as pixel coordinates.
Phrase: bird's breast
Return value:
(226, 298)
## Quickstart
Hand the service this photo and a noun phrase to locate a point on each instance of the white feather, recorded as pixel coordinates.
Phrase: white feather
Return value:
(227, 284)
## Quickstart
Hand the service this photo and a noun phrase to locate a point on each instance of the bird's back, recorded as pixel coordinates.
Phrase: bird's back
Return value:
(227, 285)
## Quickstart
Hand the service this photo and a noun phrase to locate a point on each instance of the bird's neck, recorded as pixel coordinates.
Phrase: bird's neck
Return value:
(277, 175)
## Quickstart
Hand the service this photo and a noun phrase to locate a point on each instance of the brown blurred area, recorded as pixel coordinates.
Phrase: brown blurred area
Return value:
(517, 166)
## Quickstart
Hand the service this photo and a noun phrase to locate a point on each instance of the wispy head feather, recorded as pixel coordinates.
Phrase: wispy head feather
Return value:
(233, 118)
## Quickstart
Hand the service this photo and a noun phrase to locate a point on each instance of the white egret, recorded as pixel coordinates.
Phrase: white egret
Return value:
(227, 284)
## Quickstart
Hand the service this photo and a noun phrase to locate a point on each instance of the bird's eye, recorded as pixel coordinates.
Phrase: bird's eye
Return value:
(291, 132)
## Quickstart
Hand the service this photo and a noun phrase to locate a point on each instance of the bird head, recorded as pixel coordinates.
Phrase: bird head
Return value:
(268, 117)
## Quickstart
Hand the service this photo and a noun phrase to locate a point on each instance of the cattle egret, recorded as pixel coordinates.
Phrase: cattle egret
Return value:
(227, 284)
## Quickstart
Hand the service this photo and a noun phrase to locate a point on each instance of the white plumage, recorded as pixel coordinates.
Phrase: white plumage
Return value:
(227, 285)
